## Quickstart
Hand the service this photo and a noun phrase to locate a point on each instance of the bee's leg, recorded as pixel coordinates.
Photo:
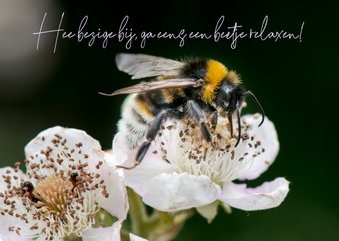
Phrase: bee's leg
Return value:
(239, 128)
(142, 152)
(197, 113)
(214, 120)
(215, 115)
(230, 121)
(151, 134)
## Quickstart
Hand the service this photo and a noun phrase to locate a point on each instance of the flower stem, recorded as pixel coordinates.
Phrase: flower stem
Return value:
(137, 212)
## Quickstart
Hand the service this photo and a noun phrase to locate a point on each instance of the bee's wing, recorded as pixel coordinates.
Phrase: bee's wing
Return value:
(158, 84)
(143, 65)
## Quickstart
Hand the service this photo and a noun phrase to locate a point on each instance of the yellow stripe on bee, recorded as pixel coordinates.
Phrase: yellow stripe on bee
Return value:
(215, 74)
(167, 95)
(142, 109)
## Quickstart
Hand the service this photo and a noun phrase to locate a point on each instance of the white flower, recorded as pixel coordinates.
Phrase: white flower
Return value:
(181, 170)
(67, 183)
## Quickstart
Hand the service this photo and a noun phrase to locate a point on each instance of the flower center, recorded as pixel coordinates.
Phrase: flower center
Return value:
(183, 145)
(54, 192)
(58, 206)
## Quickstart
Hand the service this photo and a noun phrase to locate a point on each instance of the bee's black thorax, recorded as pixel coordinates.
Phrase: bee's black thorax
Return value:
(195, 68)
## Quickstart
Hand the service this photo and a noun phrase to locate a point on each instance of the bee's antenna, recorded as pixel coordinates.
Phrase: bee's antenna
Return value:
(239, 127)
(258, 104)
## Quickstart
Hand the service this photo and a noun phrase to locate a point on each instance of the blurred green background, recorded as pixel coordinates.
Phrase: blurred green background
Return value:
(296, 82)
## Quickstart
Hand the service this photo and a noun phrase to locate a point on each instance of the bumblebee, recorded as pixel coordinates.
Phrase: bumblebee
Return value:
(194, 88)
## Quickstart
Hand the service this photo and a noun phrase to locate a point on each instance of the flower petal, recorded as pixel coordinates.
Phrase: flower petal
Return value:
(124, 156)
(62, 143)
(120, 151)
(173, 192)
(117, 202)
(268, 195)
(103, 234)
(5, 235)
(16, 177)
(133, 237)
(9, 221)
(265, 152)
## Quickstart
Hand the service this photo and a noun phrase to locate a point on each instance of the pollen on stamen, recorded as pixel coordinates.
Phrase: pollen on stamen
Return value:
(63, 201)
(53, 191)
(218, 159)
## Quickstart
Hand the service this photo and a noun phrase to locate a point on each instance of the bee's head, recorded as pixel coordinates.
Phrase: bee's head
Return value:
(230, 96)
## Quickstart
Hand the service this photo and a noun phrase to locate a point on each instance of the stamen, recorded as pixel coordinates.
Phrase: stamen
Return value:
(219, 159)
(59, 201)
